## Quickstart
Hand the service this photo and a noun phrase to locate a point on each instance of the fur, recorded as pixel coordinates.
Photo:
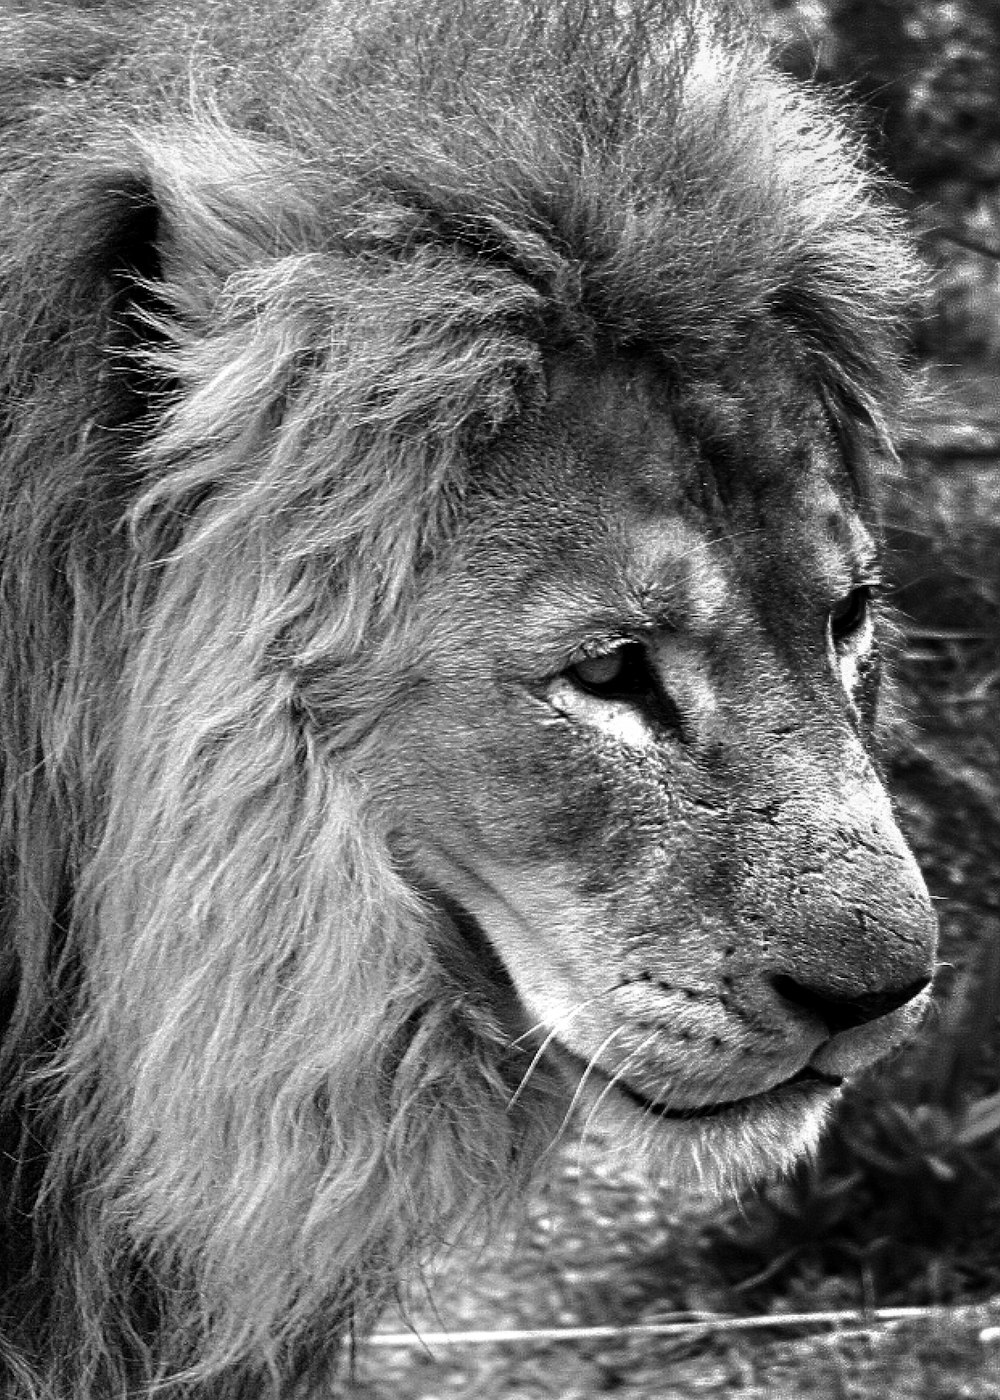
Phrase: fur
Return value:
(259, 318)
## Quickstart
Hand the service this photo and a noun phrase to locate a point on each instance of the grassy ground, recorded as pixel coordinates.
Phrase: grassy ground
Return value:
(599, 1247)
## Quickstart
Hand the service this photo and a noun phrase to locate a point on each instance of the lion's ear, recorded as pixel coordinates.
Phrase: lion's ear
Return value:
(110, 232)
(135, 239)
(83, 301)
(122, 263)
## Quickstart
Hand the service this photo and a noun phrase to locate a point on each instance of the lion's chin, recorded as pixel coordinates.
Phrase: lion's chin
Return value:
(719, 1149)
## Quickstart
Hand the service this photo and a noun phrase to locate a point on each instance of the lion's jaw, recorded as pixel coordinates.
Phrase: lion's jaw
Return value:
(698, 889)
(713, 1082)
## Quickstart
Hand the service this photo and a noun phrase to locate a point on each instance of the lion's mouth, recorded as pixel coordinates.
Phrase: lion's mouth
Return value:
(654, 1108)
(500, 985)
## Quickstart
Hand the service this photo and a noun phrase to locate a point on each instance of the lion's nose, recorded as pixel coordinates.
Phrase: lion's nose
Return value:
(840, 1011)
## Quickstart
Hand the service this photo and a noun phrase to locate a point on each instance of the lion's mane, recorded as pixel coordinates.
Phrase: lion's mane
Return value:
(252, 341)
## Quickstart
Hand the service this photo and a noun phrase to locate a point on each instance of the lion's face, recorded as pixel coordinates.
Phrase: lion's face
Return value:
(637, 755)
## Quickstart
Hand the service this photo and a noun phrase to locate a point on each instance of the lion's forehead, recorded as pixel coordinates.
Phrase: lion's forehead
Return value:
(619, 514)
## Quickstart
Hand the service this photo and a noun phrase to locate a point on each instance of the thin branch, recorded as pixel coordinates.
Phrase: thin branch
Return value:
(692, 1325)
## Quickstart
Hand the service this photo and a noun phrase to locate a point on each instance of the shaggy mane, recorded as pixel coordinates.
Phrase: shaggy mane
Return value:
(261, 310)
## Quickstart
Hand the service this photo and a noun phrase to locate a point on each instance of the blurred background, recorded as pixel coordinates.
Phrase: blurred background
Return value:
(903, 1207)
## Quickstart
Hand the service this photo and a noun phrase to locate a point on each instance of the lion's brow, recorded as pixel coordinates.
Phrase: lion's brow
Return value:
(641, 595)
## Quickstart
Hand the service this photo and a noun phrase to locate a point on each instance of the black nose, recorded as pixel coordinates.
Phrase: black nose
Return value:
(842, 1013)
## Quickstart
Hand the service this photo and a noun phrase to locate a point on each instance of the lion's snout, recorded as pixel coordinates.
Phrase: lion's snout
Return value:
(843, 933)
(855, 956)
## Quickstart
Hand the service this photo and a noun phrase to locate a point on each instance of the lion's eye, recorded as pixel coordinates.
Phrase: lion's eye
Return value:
(620, 673)
(598, 672)
(618, 693)
(850, 615)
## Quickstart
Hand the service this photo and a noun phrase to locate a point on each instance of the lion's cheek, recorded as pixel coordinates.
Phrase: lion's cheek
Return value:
(516, 781)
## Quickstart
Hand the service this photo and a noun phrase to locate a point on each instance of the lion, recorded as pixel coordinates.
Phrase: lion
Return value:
(442, 612)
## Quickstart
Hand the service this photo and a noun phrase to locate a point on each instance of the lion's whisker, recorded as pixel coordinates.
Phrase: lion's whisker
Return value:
(591, 1065)
(619, 1074)
(566, 1019)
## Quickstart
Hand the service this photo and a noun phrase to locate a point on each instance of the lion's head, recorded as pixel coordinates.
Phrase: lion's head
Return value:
(636, 757)
(442, 625)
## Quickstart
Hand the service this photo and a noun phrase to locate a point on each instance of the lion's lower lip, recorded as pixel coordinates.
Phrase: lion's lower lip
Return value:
(654, 1108)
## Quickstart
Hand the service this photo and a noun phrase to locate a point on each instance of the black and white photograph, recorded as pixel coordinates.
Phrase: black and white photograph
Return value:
(499, 699)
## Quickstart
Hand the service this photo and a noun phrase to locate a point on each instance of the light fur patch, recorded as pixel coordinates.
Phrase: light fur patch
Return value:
(849, 657)
(616, 720)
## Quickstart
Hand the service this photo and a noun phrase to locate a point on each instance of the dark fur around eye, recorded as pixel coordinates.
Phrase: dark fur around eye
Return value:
(633, 681)
(849, 615)
(622, 674)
